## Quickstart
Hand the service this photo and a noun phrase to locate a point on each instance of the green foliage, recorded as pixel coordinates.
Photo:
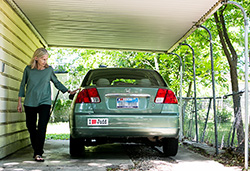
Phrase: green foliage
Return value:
(61, 111)
(57, 136)
(80, 61)
(224, 116)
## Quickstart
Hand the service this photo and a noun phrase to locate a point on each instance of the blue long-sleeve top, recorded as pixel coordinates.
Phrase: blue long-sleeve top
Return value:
(35, 86)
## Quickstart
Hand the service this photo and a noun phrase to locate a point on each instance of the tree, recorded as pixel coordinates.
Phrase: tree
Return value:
(233, 59)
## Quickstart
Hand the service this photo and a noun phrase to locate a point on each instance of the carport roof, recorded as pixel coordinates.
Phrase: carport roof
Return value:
(139, 25)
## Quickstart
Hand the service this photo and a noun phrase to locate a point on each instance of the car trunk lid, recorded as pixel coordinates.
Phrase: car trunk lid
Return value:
(127, 100)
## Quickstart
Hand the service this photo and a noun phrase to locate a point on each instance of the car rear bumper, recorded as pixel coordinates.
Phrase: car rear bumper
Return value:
(126, 126)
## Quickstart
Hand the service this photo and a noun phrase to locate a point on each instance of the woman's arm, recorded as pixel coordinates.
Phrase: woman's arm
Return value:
(19, 106)
(22, 90)
(74, 91)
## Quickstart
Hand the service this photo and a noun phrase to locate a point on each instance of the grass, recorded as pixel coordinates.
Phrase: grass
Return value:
(58, 131)
(57, 136)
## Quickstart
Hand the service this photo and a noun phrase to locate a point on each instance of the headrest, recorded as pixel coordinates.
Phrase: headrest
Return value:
(145, 82)
(102, 82)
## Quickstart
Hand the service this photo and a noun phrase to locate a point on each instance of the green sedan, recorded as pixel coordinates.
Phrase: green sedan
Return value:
(124, 105)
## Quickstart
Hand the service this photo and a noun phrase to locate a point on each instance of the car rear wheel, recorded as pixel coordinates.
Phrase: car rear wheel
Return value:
(170, 146)
(76, 146)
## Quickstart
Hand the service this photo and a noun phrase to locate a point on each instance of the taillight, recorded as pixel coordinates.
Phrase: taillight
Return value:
(165, 96)
(88, 96)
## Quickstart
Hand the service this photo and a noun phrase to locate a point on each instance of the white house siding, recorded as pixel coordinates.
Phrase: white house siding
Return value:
(17, 44)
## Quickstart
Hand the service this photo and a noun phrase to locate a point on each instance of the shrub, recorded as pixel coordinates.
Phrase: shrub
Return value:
(224, 116)
(61, 111)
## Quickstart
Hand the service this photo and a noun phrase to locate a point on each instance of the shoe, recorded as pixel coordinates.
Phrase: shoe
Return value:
(39, 158)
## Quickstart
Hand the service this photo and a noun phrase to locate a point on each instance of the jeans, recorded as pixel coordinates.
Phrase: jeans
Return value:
(37, 131)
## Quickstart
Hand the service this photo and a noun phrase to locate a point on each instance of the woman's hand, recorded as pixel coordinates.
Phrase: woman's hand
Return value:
(73, 92)
(19, 106)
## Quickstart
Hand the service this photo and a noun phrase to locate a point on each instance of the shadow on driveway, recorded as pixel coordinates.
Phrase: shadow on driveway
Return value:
(57, 158)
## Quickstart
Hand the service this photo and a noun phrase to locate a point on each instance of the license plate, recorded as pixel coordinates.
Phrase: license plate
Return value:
(127, 102)
(98, 121)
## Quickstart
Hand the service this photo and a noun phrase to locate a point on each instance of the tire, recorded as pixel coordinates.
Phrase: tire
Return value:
(170, 146)
(76, 147)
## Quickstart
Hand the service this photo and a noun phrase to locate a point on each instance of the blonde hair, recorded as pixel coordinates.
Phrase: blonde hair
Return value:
(40, 52)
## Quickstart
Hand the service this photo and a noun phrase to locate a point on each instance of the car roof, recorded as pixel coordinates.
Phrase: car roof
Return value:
(142, 69)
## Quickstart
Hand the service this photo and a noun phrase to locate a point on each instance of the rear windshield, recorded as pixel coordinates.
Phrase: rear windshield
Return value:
(123, 77)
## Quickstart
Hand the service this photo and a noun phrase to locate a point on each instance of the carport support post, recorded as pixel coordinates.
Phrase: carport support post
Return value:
(195, 99)
(213, 85)
(246, 78)
(180, 94)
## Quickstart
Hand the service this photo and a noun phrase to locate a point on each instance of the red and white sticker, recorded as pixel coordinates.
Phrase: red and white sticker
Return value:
(98, 121)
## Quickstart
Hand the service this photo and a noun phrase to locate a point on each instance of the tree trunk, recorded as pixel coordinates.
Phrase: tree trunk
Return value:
(237, 108)
(156, 59)
(232, 60)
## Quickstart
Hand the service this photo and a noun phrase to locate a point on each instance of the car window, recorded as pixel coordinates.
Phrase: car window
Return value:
(123, 77)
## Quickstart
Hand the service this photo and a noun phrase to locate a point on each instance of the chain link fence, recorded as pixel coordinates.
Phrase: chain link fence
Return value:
(226, 135)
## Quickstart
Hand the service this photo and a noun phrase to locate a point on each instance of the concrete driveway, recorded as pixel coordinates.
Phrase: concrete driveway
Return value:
(57, 158)
(99, 159)
(196, 162)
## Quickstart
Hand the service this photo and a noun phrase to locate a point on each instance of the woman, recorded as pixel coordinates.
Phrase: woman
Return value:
(35, 87)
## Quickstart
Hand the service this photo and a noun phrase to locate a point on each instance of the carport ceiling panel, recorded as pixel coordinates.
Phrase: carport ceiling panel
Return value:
(154, 25)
